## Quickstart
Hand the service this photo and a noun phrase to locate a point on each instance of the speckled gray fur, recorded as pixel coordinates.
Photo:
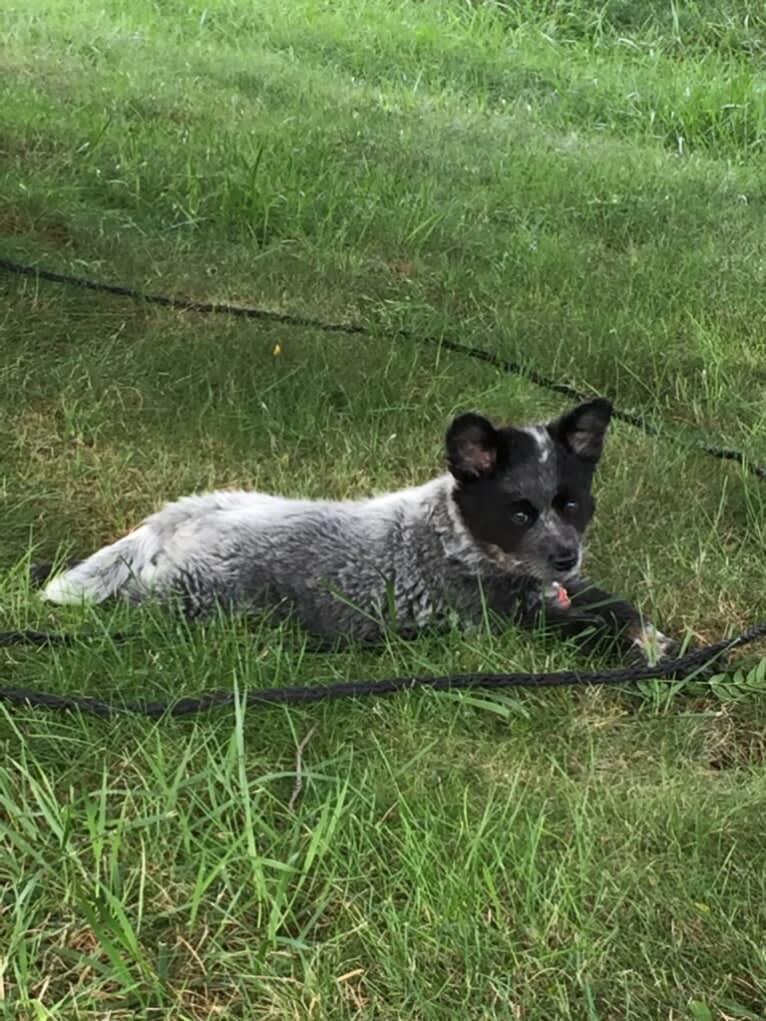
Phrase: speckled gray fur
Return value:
(340, 566)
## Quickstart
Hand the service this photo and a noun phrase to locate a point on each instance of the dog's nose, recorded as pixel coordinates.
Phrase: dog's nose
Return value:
(564, 559)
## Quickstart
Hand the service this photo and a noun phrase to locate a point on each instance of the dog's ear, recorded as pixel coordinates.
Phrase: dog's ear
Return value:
(583, 428)
(473, 447)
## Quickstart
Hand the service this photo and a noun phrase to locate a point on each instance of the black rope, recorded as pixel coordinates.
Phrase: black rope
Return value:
(679, 668)
(40, 638)
(31, 637)
(356, 329)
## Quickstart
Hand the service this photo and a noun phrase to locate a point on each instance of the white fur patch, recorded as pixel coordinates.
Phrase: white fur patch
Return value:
(543, 440)
(63, 591)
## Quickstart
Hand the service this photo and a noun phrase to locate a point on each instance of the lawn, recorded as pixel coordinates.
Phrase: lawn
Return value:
(579, 187)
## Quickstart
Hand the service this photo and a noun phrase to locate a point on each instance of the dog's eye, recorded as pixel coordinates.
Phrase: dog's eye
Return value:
(520, 517)
(570, 506)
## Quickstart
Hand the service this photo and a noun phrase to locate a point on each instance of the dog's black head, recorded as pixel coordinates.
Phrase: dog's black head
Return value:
(525, 493)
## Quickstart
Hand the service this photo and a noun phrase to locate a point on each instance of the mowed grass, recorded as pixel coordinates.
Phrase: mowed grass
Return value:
(577, 186)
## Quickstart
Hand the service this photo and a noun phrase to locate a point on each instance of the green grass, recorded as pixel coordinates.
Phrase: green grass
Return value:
(578, 186)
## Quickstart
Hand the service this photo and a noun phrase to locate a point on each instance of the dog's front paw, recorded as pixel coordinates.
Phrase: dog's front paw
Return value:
(651, 647)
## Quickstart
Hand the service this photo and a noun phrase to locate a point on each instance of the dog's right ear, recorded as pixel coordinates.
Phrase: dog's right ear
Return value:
(472, 447)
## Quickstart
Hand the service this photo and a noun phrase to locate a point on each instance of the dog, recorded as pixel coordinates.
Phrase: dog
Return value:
(499, 536)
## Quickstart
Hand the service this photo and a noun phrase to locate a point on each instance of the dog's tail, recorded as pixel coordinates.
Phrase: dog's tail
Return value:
(113, 570)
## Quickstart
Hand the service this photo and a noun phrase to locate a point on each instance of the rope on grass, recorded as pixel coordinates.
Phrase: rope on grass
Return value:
(356, 329)
(679, 668)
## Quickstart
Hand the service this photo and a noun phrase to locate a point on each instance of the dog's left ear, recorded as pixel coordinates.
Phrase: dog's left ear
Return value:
(583, 428)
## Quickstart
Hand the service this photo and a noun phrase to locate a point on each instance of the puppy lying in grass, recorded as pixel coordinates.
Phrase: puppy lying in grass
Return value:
(501, 533)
